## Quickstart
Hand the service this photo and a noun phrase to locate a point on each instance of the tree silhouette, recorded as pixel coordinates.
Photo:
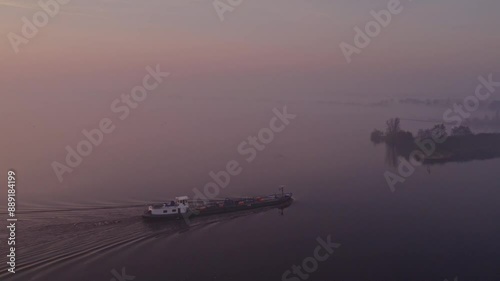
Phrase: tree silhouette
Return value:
(377, 136)
(393, 126)
(461, 131)
(438, 131)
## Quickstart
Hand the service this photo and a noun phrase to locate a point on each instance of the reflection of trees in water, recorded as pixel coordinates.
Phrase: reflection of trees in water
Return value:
(391, 155)
(393, 151)
(456, 148)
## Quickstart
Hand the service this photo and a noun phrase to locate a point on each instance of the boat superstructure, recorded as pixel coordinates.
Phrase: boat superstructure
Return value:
(173, 208)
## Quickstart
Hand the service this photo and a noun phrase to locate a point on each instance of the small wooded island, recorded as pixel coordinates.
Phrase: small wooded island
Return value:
(435, 145)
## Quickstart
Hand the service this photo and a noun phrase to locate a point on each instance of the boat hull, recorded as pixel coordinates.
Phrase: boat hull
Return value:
(286, 200)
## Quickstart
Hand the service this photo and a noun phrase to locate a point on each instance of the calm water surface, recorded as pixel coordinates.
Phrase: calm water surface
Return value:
(440, 223)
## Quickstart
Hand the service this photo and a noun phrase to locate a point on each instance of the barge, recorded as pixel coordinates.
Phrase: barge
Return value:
(183, 207)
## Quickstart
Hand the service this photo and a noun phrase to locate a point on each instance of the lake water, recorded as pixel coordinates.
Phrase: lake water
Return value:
(440, 224)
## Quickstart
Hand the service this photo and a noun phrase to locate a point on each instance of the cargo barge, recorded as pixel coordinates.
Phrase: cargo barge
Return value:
(183, 207)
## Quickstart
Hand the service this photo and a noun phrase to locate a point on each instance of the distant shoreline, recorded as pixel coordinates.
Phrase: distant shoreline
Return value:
(461, 146)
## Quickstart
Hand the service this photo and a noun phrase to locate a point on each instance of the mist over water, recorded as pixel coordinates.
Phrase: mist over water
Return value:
(160, 96)
(90, 224)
